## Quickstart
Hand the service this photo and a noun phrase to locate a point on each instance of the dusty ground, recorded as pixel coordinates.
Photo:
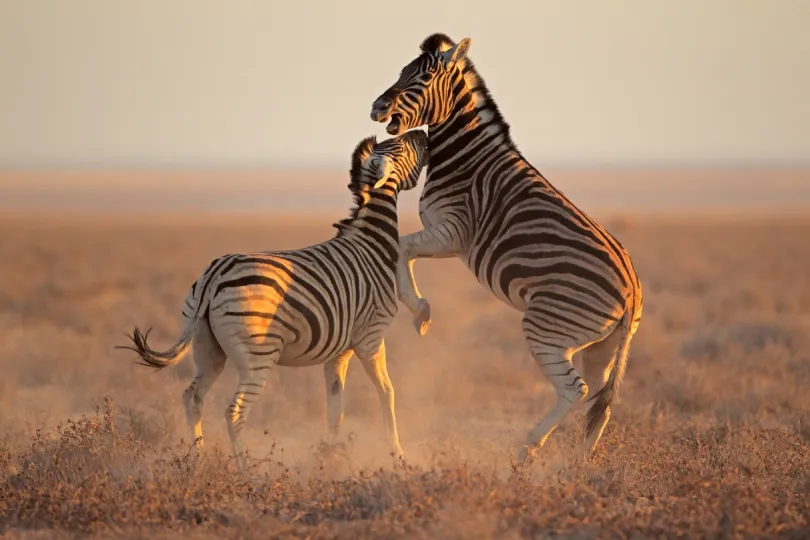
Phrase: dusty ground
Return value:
(711, 437)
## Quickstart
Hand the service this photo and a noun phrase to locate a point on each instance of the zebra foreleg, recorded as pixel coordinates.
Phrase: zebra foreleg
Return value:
(373, 359)
(335, 378)
(435, 242)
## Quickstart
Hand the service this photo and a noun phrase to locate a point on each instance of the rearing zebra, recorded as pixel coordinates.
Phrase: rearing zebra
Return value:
(484, 203)
(304, 307)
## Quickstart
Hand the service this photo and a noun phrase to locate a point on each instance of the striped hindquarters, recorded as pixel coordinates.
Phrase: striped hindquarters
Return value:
(530, 245)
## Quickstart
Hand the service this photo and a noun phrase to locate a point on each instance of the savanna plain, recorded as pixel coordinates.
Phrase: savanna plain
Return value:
(710, 437)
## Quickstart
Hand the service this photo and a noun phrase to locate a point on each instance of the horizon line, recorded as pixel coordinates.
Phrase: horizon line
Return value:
(334, 168)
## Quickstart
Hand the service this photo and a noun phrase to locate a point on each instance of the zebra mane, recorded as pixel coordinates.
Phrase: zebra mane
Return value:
(441, 42)
(359, 155)
(436, 42)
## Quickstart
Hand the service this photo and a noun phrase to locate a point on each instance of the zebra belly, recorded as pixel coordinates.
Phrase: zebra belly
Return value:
(515, 297)
(309, 352)
(289, 358)
(430, 216)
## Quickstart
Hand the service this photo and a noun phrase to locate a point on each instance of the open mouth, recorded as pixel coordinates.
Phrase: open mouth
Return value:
(394, 125)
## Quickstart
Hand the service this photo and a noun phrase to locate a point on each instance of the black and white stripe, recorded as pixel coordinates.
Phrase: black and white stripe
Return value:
(316, 305)
(484, 203)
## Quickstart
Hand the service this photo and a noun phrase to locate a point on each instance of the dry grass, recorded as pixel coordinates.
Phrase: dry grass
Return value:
(711, 437)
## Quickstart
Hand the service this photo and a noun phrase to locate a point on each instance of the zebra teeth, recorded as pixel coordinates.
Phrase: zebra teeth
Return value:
(393, 127)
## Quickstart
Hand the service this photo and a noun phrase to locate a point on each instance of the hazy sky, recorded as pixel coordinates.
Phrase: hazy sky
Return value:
(289, 83)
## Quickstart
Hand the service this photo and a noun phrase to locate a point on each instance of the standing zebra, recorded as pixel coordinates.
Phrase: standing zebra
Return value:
(304, 307)
(484, 203)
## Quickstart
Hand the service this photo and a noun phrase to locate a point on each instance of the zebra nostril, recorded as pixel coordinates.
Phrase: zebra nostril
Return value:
(380, 108)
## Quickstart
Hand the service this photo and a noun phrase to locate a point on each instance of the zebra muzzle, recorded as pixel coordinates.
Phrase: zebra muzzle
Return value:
(382, 108)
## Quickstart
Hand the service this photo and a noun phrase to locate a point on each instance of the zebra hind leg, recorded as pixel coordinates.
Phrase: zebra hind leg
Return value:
(209, 359)
(553, 353)
(253, 370)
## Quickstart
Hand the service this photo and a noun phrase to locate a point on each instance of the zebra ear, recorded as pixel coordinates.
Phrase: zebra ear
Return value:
(457, 53)
(385, 168)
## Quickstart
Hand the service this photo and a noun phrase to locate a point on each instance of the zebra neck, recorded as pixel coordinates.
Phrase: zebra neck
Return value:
(475, 125)
(376, 223)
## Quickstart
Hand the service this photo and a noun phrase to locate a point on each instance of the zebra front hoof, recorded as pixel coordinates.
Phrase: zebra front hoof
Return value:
(422, 319)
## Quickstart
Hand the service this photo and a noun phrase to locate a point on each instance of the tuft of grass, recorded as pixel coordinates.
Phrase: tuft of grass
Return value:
(90, 476)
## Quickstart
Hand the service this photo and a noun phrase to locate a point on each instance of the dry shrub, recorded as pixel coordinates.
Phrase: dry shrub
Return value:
(91, 478)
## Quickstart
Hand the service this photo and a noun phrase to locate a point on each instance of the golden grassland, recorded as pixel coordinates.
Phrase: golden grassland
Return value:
(711, 437)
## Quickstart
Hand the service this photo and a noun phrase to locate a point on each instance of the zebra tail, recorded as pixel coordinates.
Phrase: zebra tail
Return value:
(170, 357)
(604, 397)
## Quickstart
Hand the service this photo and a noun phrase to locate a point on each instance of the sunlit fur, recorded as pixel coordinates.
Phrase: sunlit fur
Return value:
(316, 305)
(484, 203)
